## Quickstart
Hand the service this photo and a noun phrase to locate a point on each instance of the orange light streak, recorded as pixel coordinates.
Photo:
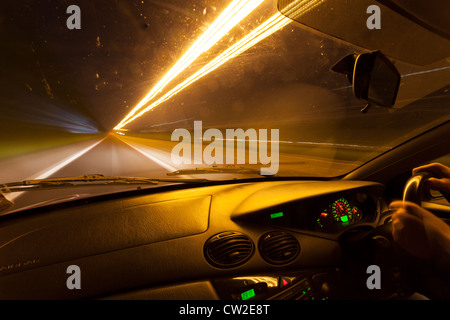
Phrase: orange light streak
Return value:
(267, 28)
(228, 19)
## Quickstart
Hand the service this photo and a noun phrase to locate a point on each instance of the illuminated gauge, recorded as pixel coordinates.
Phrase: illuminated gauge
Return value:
(357, 215)
(323, 220)
(341, 211)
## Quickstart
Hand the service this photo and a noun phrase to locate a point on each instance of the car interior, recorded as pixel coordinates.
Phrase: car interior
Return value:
(257, 238)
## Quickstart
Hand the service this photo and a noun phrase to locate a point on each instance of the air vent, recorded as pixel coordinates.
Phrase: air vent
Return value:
(278, 247)
(228, 249)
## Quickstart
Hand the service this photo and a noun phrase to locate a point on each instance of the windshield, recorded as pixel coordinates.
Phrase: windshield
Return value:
(144, 88)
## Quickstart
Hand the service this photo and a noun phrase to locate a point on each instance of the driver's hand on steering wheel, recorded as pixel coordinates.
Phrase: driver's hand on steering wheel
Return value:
(441, 176)
(419, 231)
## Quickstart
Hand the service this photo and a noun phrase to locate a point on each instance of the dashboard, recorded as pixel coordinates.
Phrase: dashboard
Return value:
(328, 214)
(325, 210)
(244, 240)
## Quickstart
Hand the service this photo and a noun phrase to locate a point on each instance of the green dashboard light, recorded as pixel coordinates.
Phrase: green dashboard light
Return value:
(344, 219)
(248, 294)
(276, 215)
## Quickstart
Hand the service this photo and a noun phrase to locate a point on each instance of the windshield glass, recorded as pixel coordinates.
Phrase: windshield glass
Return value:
(144, 88)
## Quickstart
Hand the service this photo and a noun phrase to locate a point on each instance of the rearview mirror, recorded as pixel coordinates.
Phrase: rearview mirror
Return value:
(373, 76)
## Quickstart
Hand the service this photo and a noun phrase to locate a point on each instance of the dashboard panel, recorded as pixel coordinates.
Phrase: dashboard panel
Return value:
(170, 242)
(329, 213)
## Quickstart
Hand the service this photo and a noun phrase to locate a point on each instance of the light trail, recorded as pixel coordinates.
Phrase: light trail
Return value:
(425, 71)
(271, 25)
(298, 7)
(229, 18)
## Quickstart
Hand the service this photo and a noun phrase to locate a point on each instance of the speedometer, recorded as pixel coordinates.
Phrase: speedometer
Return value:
(340, 213)
(341, 210)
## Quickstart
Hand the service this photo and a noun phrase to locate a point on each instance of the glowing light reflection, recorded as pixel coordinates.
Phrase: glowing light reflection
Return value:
(267, 28)
(270, 26)
(230, 17)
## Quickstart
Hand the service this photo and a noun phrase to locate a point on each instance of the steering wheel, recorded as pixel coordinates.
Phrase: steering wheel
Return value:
(415, 190)
(405, 274)
(379, 242)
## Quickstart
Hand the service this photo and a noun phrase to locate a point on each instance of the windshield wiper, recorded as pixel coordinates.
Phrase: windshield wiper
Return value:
(86, 180)
(215, 169)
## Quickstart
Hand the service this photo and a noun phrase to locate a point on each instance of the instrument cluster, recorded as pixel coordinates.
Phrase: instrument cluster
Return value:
(326, 214)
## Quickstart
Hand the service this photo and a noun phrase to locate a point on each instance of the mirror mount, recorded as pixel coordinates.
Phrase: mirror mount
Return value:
(5, 204)
(346, 66)
(374, 78)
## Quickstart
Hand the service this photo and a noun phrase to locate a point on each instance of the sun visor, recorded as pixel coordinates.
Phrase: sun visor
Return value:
(431, 14)
(398, 34)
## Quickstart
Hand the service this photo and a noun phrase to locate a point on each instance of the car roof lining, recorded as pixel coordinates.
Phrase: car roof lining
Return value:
(434, 18)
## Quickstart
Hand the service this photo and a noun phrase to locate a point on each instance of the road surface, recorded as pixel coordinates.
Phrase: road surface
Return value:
(115, 155)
